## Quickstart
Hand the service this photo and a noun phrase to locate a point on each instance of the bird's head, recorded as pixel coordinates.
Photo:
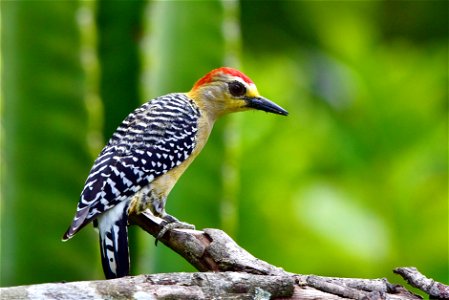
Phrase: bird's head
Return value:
(226, 90)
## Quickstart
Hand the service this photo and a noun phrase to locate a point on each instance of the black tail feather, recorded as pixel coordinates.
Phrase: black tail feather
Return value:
(114, 243)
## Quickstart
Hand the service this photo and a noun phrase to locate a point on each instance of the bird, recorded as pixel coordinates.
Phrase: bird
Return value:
(148, 153)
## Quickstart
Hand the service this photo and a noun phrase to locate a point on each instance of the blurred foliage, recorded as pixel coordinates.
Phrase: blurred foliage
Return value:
(118, 55)
(352, 183)
(44, 150)
(366, 140)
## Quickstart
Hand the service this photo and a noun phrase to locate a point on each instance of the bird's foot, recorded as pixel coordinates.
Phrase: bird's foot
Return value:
(172, 223)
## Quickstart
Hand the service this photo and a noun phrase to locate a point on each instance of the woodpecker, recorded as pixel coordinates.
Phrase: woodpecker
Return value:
(148, 153)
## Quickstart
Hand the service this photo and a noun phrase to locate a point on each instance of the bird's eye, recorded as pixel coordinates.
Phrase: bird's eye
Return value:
(237, 89)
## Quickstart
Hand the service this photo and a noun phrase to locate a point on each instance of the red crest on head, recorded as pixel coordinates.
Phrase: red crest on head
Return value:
(224, 70)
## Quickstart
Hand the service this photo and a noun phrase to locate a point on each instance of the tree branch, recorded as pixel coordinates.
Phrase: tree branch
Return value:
(160, 286)
(207, 250)
(227, 272)
(431, 287)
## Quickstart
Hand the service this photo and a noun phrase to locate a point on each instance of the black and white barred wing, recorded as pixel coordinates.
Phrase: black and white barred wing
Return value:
(155, 138)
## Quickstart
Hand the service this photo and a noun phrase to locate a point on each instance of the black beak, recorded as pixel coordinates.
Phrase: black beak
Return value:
(264, 104)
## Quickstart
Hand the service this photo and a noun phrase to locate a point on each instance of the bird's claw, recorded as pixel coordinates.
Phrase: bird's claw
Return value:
(172, 225)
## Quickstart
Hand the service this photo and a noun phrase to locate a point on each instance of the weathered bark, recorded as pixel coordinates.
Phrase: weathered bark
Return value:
(209, 285)
(236, 274)
(434, 289)
(231, 285)
(206, 250)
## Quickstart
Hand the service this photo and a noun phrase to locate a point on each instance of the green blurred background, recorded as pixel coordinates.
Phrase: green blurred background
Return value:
(354, 182)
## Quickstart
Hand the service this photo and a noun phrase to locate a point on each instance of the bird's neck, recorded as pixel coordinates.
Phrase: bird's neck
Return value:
(209, 102)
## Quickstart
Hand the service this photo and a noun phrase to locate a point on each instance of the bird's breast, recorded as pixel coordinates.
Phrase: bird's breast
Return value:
(162, 185)
(158, 189)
